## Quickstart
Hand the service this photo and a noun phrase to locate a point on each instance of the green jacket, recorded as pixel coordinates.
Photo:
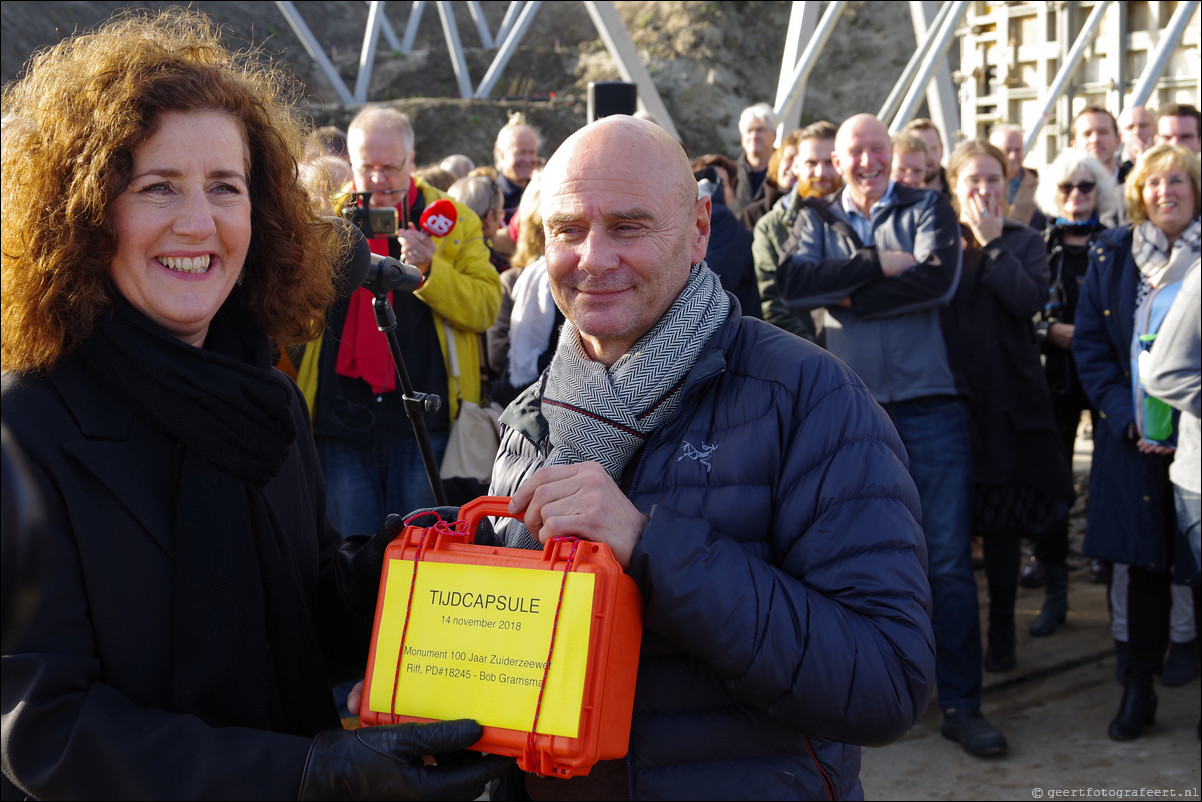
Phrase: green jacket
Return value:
(771, 232)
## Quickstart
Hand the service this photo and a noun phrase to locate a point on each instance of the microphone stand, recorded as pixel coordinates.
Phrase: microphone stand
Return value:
(416, 404)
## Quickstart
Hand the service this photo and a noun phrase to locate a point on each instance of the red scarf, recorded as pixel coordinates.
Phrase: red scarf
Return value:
(363, 351)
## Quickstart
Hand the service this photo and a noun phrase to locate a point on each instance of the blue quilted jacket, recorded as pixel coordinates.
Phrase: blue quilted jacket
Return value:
(783, 572)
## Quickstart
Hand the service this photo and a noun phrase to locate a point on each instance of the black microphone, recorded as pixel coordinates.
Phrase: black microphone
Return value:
(373, 272)
(388, 274)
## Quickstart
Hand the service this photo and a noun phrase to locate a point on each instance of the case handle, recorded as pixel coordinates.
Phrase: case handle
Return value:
(478, 509)
(473, 512)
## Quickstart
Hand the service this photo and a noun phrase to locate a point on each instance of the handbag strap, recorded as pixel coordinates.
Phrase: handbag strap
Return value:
(453, 359)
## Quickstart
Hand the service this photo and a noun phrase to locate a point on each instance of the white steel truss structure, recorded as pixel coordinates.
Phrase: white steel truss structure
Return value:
(1030, 63)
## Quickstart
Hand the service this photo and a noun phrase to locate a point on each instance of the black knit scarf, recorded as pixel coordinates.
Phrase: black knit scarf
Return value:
(1078, 227)
(245, 651)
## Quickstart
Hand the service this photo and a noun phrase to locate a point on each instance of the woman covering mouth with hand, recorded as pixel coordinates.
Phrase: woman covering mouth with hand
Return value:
(1022, 480)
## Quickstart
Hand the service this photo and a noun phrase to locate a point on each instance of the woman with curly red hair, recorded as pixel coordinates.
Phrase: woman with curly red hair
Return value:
(196, 607)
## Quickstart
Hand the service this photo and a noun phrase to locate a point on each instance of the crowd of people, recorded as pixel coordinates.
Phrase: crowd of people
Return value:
(998, 344)
(786, 389)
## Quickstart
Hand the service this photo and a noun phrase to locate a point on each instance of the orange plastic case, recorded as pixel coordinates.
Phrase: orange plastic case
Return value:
(614, 637)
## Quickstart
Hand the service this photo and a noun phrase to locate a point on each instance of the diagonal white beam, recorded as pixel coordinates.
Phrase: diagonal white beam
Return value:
(481, 24)
(630, 65)
(309, 42)
(803, 18)
(809, 57)
(510, 44)
(367, 55)
(415, 19)
(1071, 62)
(450, 32)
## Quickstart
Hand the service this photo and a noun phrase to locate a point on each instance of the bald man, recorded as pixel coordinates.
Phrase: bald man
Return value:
(1137, 131)
(740, 475)
(515, 155)
(884, 260)
(1020, 191)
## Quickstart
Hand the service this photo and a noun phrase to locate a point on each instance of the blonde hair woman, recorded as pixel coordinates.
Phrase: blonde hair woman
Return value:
(1134, 273)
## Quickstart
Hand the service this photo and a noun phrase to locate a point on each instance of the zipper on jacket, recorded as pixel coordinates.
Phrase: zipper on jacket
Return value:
(827, 784)
(634, 482)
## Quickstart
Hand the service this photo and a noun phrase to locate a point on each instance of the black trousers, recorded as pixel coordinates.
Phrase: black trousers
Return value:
(1003, 556)
(1067, 409)
(1149, 601)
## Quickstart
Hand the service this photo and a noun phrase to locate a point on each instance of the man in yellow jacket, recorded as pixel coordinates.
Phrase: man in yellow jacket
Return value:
(370, 457)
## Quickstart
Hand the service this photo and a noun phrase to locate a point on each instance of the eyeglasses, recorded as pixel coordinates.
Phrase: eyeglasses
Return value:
(1085, 187)
(388, 170)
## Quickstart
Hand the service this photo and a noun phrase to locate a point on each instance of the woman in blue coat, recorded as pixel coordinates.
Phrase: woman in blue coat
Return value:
(1131, 517)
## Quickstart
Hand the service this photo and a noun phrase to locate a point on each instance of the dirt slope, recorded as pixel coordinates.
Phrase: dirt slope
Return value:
(709, 61)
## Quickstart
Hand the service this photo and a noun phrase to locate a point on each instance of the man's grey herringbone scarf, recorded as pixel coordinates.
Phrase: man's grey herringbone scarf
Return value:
(605, 414)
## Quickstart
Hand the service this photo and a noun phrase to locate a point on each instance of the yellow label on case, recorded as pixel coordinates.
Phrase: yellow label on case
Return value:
(478, 643)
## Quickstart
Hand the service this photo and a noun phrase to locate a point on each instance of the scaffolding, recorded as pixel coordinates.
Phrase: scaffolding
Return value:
(1038, 64)
(1035, 64)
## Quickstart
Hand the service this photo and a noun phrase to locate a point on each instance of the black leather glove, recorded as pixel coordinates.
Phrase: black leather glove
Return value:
(361, 561)
(386, 763)
(483, 536)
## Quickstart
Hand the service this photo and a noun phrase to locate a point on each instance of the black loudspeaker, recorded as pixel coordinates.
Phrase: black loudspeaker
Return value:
(611, 97)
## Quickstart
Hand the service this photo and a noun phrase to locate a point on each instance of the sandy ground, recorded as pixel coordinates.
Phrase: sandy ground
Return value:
(1054, 708)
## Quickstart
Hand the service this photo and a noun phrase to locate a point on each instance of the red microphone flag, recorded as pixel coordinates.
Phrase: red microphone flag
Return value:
(439, 218)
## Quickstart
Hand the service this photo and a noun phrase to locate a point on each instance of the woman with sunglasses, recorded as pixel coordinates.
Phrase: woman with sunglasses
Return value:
(1080, 199)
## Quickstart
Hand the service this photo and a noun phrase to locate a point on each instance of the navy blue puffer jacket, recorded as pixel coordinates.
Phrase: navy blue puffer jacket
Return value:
(783, 571)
